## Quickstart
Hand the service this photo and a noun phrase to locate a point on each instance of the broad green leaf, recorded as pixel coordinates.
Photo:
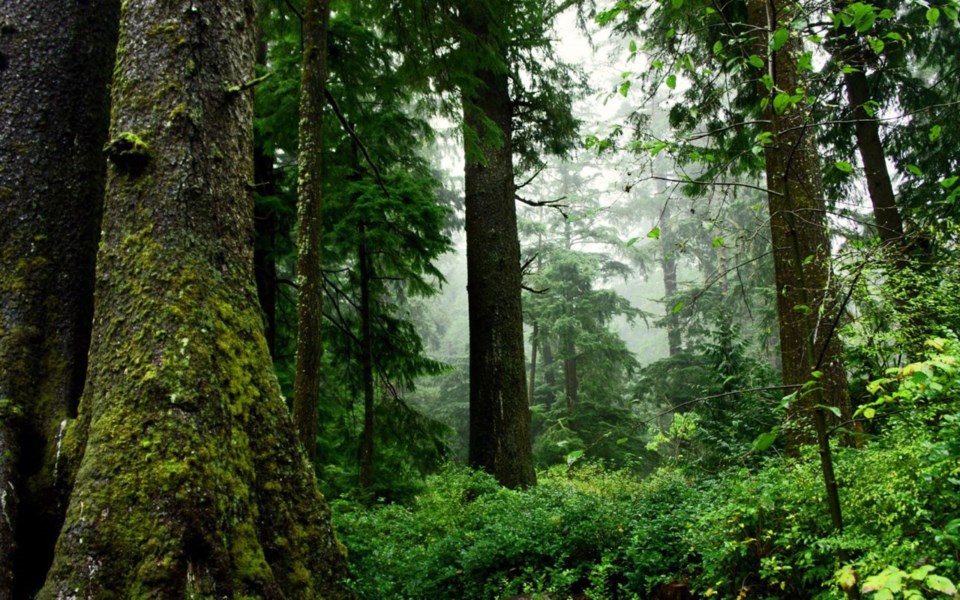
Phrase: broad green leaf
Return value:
(625, 88)
(833, 410)
(671, 81)
(869, 412)
(847, 577)
(654, 233)
(940, 584)
(949, 182)
(574, 457)
(764, 441)
(933, 15)
(935, 132)
(717, 242)
(718, 47)
(755, 61)
(877, 45)
(915, 170)
(843, 166)
(633, 46)
(781, 101)
(779, 38)
(678, 307)
(632, 241)
(920, 573)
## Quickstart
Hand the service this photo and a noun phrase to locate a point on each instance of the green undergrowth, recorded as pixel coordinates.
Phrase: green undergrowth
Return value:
(591, 532)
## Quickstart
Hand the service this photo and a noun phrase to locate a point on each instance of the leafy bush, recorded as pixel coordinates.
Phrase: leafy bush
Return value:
(758, 530)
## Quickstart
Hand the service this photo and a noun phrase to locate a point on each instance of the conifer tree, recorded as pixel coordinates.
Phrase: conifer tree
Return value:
(55, 65)
(190, 479)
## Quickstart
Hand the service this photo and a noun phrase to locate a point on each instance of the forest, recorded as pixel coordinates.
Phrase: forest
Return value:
(519, 299)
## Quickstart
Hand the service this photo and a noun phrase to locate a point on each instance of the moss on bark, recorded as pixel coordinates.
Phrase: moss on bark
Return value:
(191, 482)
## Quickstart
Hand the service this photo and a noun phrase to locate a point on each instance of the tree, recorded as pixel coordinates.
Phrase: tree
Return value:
(499, 416)
(55, 63)
(190, 478)
(306, 391)
(809, 344)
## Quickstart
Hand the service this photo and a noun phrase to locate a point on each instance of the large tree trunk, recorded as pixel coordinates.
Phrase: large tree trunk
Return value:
(55, 64)
(801, 245)
(499, 415)
(306, 387)
(191, 482)
(801, 252)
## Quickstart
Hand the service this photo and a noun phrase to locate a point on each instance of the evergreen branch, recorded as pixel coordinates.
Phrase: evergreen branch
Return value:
(353, 134)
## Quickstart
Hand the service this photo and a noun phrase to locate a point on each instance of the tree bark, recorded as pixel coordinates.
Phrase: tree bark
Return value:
(534, 342)
(191, 482)
(668, 263)
(869, 145)
(55, 64)
(366, 447)
(266, 228)
(571, 383)
(499, 416)
(306, 391)
(805, 305)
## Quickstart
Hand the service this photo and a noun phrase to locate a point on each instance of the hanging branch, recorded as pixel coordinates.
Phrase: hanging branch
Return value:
(353, 134)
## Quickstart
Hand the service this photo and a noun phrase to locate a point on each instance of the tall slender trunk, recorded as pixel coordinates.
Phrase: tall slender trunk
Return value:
(808, 342)
(191, 481)
(366, 448)
(499, 416)
(306, 387)
(55, 64)
(801, 245)
(534, 342)
(867, 130)
(668, 263)
(571, 384)
(549, 367)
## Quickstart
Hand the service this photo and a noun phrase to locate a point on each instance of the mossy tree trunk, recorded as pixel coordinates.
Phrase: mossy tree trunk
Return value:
(499, 416)
(801, 245)
(306, 390)
(191, 481)
(55, 64)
